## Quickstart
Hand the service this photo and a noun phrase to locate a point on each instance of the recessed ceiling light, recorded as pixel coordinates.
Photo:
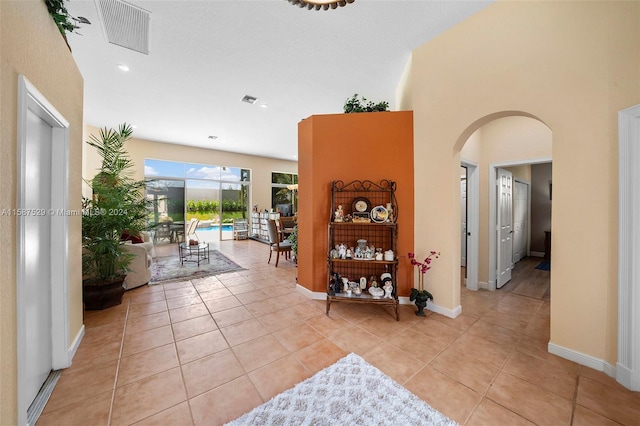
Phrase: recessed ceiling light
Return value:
(264, 105)
(249, 99)
(123, 67)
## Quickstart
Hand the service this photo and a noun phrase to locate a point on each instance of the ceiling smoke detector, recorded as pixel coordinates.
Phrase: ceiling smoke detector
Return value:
(249, 99)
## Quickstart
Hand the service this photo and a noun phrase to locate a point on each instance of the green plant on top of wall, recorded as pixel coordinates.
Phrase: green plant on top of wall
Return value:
(60, 15)
(353, 104)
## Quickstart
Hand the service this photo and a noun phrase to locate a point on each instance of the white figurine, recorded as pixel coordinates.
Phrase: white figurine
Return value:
(339, 214)
(345, 284)
(388, 289)
(342, 251)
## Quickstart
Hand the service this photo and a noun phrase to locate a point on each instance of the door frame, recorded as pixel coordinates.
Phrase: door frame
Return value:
(29, 98)
(627, 370)
(493, 219)
(528, 230)
(473, 220)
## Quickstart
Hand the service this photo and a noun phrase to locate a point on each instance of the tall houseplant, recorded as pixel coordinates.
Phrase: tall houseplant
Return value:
(117, 205)
(420, 296)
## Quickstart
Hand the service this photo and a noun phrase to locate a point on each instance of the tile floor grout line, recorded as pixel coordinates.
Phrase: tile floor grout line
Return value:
(175, 345)
(575, 395)
(115, 382)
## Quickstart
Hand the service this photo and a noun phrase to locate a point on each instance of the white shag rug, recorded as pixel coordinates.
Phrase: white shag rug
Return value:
(349, 392)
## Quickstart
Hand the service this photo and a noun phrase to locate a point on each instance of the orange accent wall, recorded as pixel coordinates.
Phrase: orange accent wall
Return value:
(359, 146)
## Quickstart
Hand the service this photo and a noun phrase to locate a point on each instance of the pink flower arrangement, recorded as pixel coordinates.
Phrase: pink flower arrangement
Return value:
(420, 295)
(425, 265)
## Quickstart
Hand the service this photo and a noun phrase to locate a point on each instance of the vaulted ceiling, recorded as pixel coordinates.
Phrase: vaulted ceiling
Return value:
(205, 56)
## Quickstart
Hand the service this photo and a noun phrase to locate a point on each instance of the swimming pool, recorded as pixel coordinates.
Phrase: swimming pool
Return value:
(216, 228)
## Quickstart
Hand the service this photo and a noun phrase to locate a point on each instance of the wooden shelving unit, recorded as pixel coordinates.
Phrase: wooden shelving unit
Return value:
(381, 235)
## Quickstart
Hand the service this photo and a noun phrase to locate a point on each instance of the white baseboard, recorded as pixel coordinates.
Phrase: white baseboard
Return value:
(313, 295)
(451, 313)
(627, 378)
(484, 285)
(536, 254)
(583, 359)
(473, 286)
(76, 344)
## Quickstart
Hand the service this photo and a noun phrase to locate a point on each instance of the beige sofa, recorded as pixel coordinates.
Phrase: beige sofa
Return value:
(140, 268)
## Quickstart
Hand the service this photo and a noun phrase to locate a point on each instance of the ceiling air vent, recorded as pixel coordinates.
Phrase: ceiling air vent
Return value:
(125, 25)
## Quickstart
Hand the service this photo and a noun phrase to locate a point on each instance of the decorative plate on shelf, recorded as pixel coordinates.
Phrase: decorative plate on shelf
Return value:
(361, 204)
(379, 214)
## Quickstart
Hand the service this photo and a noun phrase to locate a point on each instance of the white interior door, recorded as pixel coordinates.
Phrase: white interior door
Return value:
(520, 220)
(37, 243)
(504, 227)
(463, 216)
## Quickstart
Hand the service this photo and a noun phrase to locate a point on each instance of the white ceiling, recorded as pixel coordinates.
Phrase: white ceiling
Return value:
(206, 55)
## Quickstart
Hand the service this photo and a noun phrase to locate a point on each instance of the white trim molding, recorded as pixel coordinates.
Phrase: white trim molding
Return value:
(314, 295)
(450, 313)
(582, 359)
(473, 220)
(30, 99)
(75, 344)
(493, 213)
(628, 363)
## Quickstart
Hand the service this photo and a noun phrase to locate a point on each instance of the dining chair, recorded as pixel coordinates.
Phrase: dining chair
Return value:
(275, 244)
(162, 232)
(286, 226)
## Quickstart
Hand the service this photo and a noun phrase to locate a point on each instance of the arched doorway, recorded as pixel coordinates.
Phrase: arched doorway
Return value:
(509, 138)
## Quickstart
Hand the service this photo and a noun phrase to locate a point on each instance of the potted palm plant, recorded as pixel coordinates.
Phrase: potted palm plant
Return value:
(117, 205)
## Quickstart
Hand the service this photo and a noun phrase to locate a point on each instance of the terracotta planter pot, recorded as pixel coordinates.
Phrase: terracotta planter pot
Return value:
(97, 296)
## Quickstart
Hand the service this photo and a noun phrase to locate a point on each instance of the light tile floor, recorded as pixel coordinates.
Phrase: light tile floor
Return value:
(206, 351)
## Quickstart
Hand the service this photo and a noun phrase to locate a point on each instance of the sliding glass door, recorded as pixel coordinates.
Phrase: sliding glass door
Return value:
(215, 195)
(203, 203)
(166, 214)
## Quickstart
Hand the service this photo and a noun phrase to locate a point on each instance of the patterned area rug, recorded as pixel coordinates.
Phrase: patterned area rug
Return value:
(349, 392)
(168, 268)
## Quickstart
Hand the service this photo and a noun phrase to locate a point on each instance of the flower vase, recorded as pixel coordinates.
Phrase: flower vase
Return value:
(420, 304)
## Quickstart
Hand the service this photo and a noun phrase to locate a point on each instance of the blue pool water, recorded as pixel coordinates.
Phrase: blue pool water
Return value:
(216, 228)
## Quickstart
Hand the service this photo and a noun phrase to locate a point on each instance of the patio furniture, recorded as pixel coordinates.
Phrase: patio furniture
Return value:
(240, 229)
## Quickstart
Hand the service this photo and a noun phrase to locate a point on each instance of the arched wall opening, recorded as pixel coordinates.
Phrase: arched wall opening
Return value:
(509, 139)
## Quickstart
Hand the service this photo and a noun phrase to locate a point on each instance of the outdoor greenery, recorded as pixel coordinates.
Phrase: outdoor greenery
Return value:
(280, 192)
(211, 206)
(118, 204)
(227, 217)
